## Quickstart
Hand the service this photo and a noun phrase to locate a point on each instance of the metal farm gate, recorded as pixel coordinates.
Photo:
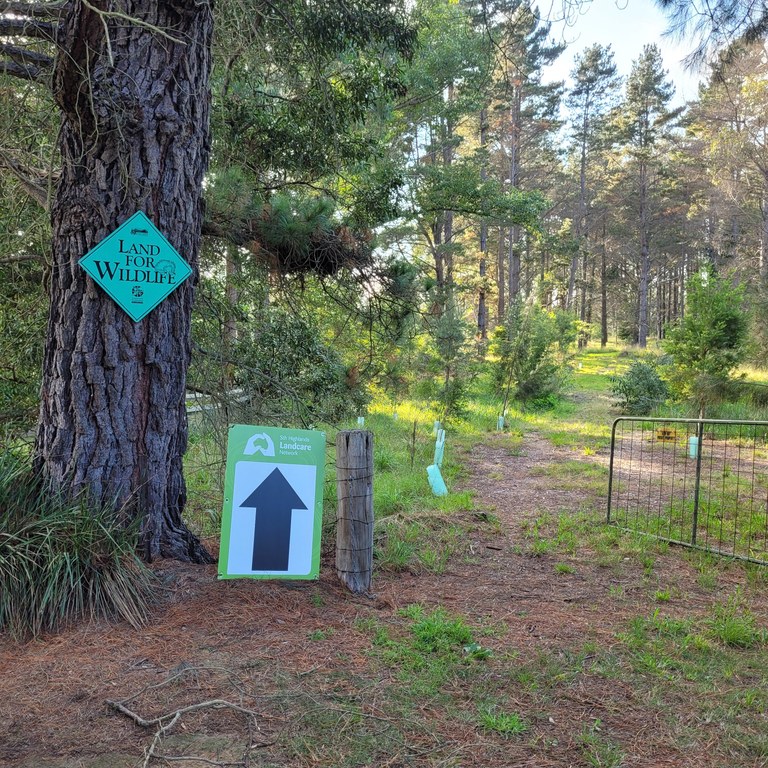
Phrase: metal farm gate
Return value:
(696, 482)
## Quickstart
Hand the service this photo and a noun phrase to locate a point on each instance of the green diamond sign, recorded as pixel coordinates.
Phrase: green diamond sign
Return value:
(136, 266)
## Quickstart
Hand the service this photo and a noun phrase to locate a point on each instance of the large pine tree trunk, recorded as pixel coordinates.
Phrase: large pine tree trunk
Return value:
(134, 136)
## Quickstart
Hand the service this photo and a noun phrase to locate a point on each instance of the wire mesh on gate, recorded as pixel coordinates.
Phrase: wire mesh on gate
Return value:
(697, 482)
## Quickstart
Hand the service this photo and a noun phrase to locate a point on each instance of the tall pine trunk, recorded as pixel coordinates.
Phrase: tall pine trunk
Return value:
(501, 306)
(603, 292)
(645, 260)
(134, 136)
(764, 239)
(514, 264)
(482, 310)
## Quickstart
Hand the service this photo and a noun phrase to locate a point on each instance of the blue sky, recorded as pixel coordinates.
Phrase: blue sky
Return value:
(627, 25)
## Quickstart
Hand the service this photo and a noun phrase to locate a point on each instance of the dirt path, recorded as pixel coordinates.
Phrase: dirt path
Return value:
(511, 479)
(293, 651)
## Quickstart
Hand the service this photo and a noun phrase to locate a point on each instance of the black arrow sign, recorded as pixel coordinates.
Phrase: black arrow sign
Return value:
(274, 500)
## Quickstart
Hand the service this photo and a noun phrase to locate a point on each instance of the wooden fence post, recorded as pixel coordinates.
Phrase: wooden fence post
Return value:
(354, 517)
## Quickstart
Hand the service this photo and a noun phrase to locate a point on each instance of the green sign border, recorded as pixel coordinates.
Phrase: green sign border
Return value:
(147, 222)
(239, 435)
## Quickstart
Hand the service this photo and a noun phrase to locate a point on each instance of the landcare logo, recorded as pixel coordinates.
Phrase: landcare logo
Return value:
(136, 266)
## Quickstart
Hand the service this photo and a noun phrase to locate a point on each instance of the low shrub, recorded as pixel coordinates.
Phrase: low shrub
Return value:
(530, 363)
(639, 390)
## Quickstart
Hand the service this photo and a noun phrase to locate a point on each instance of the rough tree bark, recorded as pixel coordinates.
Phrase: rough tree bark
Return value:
(133, 90)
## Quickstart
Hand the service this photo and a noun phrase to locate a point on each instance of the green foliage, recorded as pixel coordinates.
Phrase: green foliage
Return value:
(758, 332)
(289, 371)
(710, 341)
(526, 349)
(23, 314)
(476, 651)
(231, 201)
(568, 330)
(292, 220)
(61, 560)
(375, 190)
(29, 130)
(640, 390)
(293, 100)
(459, 187)
(267, 363)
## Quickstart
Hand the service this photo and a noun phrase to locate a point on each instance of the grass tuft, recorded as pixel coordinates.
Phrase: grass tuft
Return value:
(505, 723)
(733, 624)
(62, 560)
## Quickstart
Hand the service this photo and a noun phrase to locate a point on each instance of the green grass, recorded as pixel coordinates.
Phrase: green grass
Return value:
(434, 650)
(505, 723)
(585, 534)
(717, 659)
(734, 624)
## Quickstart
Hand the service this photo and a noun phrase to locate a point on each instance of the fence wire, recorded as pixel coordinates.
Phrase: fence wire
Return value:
(697, 482)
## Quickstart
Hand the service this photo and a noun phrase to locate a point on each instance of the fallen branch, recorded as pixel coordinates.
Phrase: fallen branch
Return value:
(164, 727)
(176, 714)
(161, 731)
(190, 758)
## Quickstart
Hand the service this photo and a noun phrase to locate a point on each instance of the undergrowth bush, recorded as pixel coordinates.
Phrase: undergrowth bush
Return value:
(62, 560)
(639, 390)
(450, 361)
(530, 362)
(709, 343)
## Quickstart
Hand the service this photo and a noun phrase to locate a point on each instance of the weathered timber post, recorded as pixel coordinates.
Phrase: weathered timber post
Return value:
(354, 518)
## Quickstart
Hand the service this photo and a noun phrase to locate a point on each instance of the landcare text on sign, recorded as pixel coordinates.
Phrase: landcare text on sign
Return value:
(136, 266)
